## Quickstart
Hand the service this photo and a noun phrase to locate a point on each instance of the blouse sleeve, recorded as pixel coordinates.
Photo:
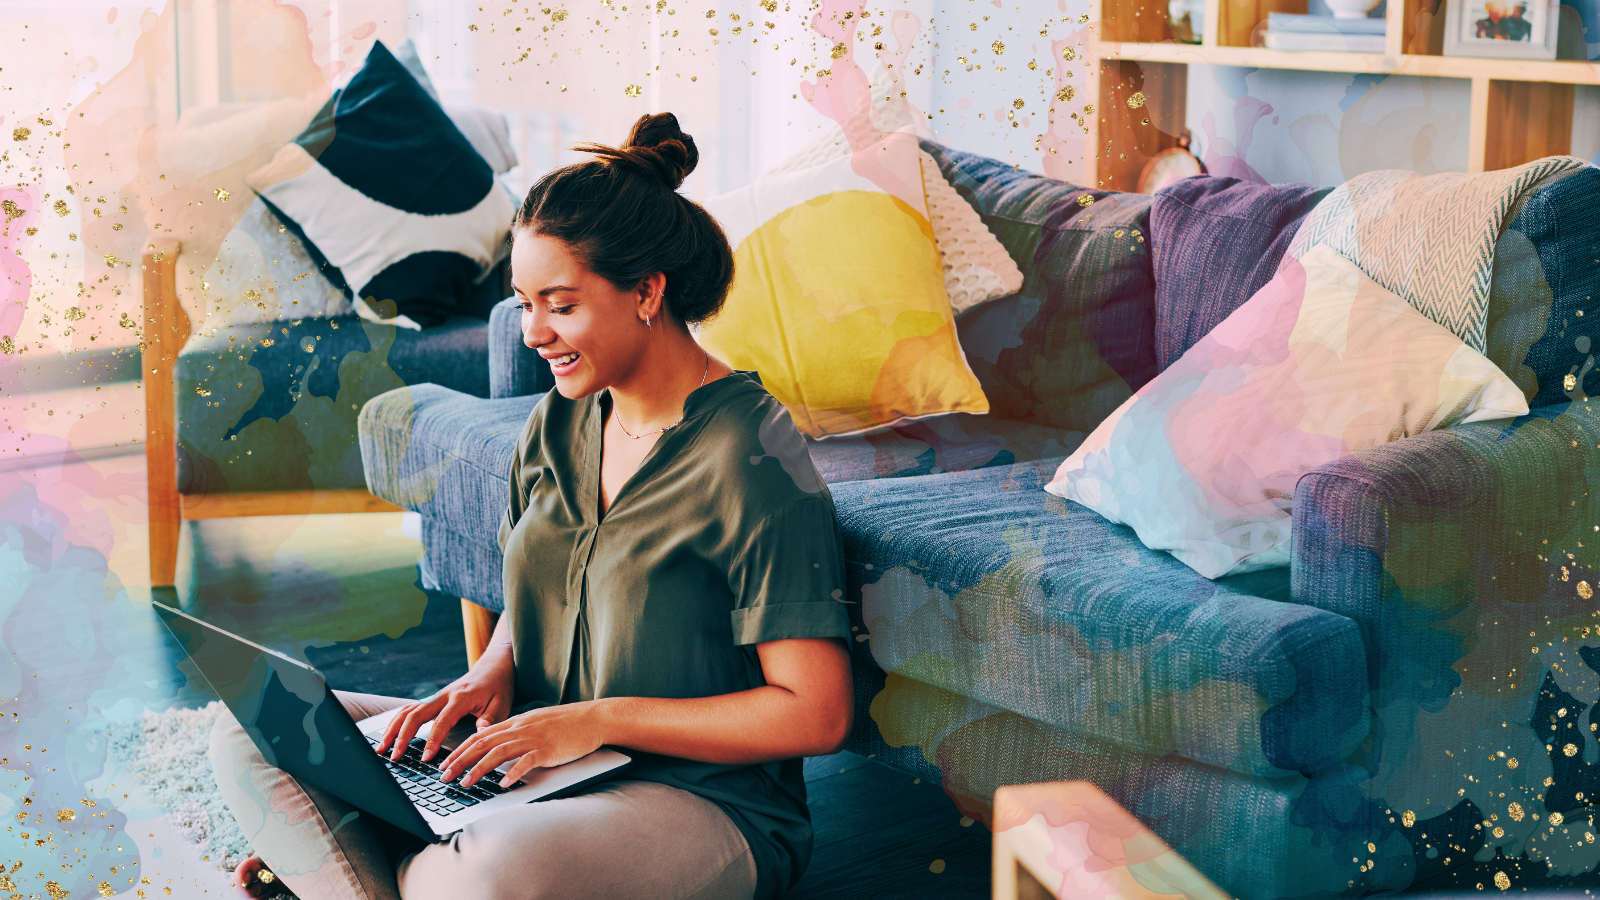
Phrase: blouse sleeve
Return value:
(788, 581)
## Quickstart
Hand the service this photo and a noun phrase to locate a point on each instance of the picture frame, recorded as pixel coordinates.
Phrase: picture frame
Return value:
(1502, 29)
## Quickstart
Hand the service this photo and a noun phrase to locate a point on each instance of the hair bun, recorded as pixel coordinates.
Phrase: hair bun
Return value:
(656, 147)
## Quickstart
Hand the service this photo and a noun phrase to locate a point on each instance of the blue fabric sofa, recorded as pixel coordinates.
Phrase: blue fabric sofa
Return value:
(1393, 709)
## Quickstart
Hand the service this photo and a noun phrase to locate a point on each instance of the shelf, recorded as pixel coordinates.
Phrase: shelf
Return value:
(1552, 71)
(1519, 110)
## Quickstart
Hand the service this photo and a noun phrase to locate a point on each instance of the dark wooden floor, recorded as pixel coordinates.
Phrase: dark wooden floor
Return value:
(880, 833)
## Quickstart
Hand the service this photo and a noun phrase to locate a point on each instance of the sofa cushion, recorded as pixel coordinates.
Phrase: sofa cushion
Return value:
(952, 443)
(983, 584)
(1545, 260)
(448, 456)
(272, 406)
(1078, 338)
(1215, 242)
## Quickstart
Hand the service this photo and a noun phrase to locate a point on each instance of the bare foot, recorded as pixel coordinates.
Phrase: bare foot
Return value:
(256, 879)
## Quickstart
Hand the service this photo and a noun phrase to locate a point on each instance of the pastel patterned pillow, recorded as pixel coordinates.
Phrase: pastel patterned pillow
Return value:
(1323, 361)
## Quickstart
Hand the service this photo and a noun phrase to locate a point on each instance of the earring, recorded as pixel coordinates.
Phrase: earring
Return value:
(647, 321)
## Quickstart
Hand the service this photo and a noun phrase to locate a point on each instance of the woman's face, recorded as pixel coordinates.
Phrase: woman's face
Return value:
(567, 310)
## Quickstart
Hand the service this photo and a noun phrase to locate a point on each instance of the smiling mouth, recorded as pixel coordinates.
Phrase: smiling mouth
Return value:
(564, 360)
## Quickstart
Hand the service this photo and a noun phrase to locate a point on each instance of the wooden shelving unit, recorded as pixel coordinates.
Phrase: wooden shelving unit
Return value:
(1520, 109)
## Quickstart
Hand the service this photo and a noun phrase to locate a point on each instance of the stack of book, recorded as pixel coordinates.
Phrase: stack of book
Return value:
(1287, 31)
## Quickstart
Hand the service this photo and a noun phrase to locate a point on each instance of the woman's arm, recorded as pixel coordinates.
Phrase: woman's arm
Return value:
(805, 709)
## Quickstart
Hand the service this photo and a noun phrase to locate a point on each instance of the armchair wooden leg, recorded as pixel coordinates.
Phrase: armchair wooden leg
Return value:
(479, 625)
(164, 330)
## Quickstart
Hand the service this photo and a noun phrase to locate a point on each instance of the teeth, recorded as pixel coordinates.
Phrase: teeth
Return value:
(563, 360)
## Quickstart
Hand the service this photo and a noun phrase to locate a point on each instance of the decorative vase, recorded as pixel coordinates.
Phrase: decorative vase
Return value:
(1351, 9)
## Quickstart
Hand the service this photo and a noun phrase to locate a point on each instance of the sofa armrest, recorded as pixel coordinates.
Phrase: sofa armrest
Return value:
(1443, 541)
(514, 370)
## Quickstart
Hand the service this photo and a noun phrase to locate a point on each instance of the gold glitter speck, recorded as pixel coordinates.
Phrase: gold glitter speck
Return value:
(12, 210)
(1085, 199)
(1570, 749)
(1557, 818)
(222, 194)
(1548, 781)
(1515, 811)
(1584, 590)
(60, 207)
(1137, 100)
(1570, 382)
(1017, 103)
(559, 15)
(20, 134)
(267, 342)
(1069, 54)
(57, 892)
(1065, 93)
(998, 47)
(1501, 880)
(1511, 763)
(252, 296)
(770, 6)
(1499, 832)
(839, 51)
(111, 261)
(1408, 818)
(633, 90)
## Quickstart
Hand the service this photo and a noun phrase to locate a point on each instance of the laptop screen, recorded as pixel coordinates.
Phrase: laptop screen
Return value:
(295, 721)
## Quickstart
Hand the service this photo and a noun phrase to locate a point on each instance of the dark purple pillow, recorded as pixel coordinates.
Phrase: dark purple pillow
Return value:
(1216, 242)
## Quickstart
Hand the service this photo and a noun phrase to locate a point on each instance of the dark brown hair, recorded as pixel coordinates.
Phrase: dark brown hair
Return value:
(624, 219)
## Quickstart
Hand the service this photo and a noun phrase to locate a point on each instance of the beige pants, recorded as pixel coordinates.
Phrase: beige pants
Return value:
(621, 838)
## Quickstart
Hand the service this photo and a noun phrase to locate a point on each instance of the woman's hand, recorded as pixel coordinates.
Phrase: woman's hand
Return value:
(539, 738)
(486, 692)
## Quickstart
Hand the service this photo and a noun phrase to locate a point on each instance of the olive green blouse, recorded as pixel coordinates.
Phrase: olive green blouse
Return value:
(723, 538)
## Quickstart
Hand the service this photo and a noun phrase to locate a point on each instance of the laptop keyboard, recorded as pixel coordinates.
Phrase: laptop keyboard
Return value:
(420, 780)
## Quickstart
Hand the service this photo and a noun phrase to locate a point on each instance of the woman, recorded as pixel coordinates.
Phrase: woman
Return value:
(673, 572)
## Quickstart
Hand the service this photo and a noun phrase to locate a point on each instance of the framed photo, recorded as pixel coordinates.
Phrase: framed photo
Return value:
(1515, 29)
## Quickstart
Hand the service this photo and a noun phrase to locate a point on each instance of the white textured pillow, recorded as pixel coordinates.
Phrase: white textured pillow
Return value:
(1321, 362)
(976, 266)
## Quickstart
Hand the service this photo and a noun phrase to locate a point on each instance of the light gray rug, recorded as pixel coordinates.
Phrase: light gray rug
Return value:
(167, 752)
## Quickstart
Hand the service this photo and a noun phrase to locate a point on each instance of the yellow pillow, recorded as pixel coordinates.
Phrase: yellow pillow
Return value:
(838, 297)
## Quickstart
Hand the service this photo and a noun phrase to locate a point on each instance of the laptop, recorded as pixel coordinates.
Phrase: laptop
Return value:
(300, 727)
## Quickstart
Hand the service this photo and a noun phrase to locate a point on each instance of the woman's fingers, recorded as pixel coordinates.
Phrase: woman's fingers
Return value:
(496, 755)
(466, 751)
(442, 723)
(525, 764)
(393, 729)
(414, 719)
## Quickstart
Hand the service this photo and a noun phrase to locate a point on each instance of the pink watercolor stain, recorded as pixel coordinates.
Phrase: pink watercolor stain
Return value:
(18, 209)
(887, 159)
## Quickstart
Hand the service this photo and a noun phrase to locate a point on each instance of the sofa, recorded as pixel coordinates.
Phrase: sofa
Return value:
(1402, 705)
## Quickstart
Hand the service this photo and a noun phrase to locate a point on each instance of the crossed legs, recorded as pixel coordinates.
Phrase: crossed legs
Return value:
(622, 838)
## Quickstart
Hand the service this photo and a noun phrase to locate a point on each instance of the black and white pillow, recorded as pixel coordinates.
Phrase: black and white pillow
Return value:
(389, 197)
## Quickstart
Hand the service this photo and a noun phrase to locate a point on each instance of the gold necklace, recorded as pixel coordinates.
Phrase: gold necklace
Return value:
(680, 418)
